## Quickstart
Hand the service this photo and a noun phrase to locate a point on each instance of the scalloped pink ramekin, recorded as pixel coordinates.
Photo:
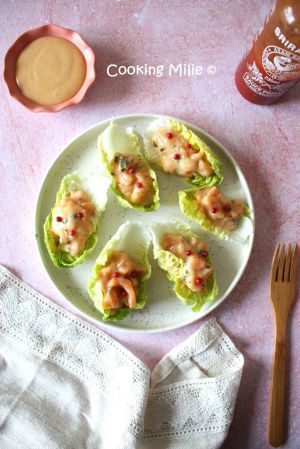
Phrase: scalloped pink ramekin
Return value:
(25, 39)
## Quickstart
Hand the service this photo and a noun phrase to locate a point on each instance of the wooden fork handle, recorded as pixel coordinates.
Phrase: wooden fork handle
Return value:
(276, 411)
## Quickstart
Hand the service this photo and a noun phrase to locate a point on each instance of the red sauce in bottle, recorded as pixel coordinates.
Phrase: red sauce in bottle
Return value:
(272, 66)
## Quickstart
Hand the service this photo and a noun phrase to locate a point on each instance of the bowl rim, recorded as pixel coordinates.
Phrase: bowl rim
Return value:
(29, 36)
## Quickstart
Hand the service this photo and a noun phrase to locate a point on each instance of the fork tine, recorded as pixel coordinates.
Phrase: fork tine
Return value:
(287, 265)
(281, 264)
(275, 263)
(293, 271)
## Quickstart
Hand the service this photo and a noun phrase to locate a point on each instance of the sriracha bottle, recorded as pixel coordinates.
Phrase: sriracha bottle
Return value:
(272, 66)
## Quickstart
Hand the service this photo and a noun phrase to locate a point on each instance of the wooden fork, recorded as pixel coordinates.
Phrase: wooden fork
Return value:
(282, 293)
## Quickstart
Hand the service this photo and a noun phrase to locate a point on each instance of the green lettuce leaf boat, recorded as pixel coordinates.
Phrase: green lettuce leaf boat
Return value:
(174, 266)
(171, 124)
(133, 239)
(189, 207)
(96, 188)
(118, 139)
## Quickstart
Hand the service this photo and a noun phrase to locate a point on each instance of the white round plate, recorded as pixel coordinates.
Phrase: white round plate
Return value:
(163, 311)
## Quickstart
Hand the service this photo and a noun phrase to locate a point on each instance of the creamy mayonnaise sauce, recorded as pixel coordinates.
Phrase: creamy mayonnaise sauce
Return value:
(178, 156)
(219, 209)
(194, 253)
(50, 70)
(72, 222)
(133, 179)
(119, 280)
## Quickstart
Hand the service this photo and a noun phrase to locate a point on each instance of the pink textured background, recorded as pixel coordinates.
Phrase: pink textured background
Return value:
(264, 141)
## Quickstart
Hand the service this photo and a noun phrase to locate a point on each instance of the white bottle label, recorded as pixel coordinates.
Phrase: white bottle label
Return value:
(263, 85)
(280, 64)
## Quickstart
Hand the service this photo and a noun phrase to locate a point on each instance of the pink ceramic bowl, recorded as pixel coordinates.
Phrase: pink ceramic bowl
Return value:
(47, 30)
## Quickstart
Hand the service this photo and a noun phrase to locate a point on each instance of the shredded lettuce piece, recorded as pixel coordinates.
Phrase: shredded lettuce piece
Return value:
(133, 239)
(117, 139)
(197, 180)
(174, 266)
(189, 207)
(96, 187)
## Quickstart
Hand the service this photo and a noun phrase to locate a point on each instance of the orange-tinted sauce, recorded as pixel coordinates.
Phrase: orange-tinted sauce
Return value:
(50, 70)
(72, 222)
(219, 209)
(119, 281)
(194, 253)
(133, 179)
(178, 156)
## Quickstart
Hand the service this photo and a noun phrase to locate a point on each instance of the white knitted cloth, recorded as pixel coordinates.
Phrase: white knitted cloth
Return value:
(66, 385)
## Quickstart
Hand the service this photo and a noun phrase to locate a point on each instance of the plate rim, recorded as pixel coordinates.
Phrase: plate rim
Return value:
(233, 284)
